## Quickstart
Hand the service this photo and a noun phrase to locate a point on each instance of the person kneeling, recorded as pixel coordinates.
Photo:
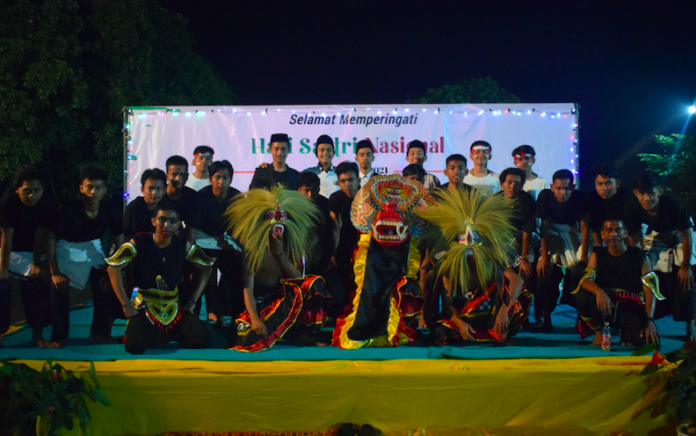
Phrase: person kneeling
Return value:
(620, 287)
(156, 262)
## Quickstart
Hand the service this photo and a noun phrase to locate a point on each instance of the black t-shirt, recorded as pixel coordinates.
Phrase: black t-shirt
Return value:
(340, 204)
(209, 213)
(622, 272)
(524, 212)
(281, 177)
(75, 226)
(152, 261)
(671, 216)
(24, 220)
(597, 209)
(185, 205)
(137, 217)
(549, 209)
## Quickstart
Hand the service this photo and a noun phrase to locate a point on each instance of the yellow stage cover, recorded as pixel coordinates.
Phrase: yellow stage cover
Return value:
(574, 396)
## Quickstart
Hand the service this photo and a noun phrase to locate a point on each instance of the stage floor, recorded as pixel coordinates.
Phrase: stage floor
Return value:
(562, 343)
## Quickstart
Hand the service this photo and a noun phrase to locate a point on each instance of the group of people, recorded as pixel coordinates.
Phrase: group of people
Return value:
(378, 255)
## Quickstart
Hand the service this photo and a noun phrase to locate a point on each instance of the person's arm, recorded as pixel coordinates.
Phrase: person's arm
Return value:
(650, 332)
(5, 251)
(525, 265)
(40, 243)
(543, 265)
(189, 234)
(336, 228)
(201, 275)
(117, 241)
(584, 241)
(502, 320)
(60, 280)
(686, 277)
(450, 311)
(250, 304)
(117, 283)
(597, 239)
(277, 250)
(603, 302)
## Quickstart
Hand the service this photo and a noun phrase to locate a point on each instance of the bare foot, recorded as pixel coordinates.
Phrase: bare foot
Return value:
(597, 342)
(42, 343)
(212, 317)
(57, 344)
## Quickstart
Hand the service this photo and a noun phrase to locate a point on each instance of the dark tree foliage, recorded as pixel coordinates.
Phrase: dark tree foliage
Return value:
(472, 90)
(68, 67)
(677, 164)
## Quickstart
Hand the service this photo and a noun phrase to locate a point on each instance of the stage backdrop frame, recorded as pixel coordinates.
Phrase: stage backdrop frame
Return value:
(240, 135)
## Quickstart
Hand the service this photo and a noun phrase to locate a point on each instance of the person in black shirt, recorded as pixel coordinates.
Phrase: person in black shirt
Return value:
(455, 171)
(669, 242)
(25, 214)
(137, 217)
(612, 289)
(155, 261)
(180, 195)
(608, 199)
(278, 171)
(212, 236)
(323, 246)
(340, 204)
(564, 244)
(523, 221)
(78, 256)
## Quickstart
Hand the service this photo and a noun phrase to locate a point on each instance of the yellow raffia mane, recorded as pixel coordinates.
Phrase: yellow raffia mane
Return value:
(246, 221)
(487, 216)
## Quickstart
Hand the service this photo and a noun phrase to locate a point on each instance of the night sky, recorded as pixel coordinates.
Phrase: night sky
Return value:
(630, 65)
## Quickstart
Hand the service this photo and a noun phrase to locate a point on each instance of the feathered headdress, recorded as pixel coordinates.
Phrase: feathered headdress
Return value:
(467, 224)
(252, 216)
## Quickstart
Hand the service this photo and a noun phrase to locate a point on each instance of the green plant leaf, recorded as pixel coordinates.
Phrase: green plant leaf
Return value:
(649, 369)
(645, 349)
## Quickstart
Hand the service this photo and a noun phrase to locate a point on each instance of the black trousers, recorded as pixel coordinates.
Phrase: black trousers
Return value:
(548, 289)
(36, 299)
(626, 314)
(190, 332)
(679, 303)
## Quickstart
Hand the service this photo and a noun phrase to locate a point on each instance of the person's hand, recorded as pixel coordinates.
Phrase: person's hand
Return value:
(60, 281)
(526, 268)
(466, 331)
(275, 244)
(543, 265)
(222, 243)
(129, 311)
(650, 333)
(686, 277)
(35, 270)
(501, 323)
(263, 165)
(421, 322)
(259, 327)
(188, 307)
(604, 303)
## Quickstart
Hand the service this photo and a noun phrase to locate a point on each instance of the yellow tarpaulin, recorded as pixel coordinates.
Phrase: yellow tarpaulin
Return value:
(601, 395)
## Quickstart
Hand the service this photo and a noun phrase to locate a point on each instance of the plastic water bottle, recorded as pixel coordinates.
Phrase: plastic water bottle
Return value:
(606, 337)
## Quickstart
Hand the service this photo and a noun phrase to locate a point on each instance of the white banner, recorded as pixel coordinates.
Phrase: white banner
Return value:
(240, 135)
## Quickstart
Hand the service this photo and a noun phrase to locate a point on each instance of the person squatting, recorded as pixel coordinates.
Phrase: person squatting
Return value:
(376, 257)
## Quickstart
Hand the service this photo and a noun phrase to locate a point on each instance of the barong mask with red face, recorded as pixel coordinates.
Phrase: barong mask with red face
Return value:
(277, 217)
(384, 207)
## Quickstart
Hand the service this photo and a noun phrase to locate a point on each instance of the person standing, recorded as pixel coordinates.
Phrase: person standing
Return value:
(480, 177)
(202, 159)
(325, 151)
(278, 171)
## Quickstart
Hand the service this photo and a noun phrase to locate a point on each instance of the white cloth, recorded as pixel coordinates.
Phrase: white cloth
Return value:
(665, 249)
(328, 183)
(364, 178)
(20, 263)
(204, 240)
(534, 187)
(431, 182)
(563, 243)
(197, 184)
(76, 259)
(490, 184)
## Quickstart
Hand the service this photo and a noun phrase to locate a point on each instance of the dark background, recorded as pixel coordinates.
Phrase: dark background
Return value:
(630, 65)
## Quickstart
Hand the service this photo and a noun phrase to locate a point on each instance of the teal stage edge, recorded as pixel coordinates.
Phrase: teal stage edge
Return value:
(564, 342)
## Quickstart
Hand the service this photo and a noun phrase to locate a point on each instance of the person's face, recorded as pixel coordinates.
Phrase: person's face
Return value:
(512, 186)
(364, 157)
(649, 200)
(166, 223)
(455, 171)
(416, 156)
(417, 177)
(606, 187)
(524, 161)
(93, 190)
(309, 191)
(221, 182)
(30, 192)
(177, 176)
(279, 151)
(613, 233)
(348, 182)
(325, 153)
(480, 156)
(562, 188)
(153, 191)
(202, 162)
